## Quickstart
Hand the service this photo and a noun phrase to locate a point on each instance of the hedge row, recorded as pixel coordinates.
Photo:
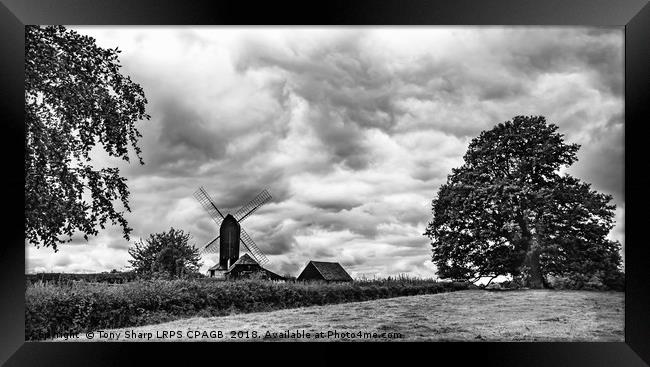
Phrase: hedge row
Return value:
(116, 277)
(52, 309)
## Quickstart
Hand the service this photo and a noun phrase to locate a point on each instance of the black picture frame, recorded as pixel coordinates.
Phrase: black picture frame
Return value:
(634, 15)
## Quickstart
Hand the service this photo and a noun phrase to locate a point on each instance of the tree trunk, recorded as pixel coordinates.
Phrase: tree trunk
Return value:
(534, 280)
(531, 263)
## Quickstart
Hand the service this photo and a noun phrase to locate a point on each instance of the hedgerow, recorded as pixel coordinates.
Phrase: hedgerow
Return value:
(53, 309)
(113, 277)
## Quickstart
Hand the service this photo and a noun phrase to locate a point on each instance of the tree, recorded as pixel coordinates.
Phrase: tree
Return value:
(166, 253)
(75, 99)
(508, 211)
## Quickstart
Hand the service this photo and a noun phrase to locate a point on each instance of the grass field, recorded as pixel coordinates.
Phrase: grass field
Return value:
(472, 315)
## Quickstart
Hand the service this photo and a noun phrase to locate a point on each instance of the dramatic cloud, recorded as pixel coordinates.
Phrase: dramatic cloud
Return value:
(352, 130)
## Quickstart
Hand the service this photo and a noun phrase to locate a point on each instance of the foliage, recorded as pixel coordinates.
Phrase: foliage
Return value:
(508, 211)
(75, 100)
(166, 254)
(112, 277)
(597, 281)
(76, 307)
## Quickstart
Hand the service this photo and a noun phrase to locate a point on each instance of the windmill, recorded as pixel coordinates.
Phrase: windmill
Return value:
(230, 231)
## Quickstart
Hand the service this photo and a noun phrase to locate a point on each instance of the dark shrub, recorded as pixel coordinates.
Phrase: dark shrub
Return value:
(615, 281)
(600, 281)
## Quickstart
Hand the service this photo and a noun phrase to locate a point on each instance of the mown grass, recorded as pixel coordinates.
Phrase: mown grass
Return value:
(471, 315)
(52, 309)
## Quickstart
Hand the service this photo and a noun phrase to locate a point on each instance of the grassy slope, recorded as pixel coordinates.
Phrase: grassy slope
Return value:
(533, 315)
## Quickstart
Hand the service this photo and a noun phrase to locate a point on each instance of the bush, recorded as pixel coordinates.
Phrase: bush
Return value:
(599, 281)
(615, 281)
(112, 277)
(52, 308)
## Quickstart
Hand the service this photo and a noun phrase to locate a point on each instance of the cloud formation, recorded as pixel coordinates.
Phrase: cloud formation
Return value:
(352, 130)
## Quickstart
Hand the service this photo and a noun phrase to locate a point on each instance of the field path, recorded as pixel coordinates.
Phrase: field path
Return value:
(473, 315)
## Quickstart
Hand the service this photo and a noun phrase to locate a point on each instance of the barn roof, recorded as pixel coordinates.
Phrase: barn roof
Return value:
(216, 267)
(245, 260)
(331, 271)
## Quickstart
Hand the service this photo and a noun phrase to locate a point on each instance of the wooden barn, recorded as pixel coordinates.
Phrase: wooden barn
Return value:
(327, 271)
(246, 266)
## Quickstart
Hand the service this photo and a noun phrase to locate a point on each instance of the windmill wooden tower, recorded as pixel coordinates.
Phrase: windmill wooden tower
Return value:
(230, 232)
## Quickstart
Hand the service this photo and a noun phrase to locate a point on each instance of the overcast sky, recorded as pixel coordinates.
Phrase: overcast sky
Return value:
(352, 130)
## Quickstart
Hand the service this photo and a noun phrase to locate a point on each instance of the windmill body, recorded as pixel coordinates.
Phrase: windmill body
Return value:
(231, 235)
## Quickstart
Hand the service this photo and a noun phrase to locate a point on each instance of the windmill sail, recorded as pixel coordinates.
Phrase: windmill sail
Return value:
(255, 252)
(250, 208)
(206, 201)
(211, 247)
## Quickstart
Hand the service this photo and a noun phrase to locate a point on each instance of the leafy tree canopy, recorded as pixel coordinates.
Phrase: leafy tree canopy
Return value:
(75, 99)
(508, 211)
(167, 253)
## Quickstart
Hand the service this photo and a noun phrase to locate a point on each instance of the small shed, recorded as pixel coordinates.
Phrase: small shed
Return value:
(217, 271)
(327, 271)
(246, 266)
